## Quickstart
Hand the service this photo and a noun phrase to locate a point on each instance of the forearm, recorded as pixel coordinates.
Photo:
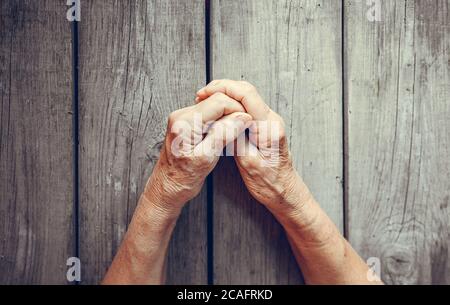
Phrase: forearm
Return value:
(142, 254)
(325, 257)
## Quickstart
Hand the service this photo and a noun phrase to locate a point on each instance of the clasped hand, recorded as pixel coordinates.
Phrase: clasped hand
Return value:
(197, 135)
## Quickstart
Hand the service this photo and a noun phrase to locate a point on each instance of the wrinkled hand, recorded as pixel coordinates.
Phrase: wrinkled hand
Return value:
(195, 138)
(263, 156)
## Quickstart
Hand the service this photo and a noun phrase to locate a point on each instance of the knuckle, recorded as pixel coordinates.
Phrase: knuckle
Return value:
(283, 142)
(219, 96)
(176, 126)
(217, 82)
(248, 86)
(173, 116)
(174, 132)
(282, 135)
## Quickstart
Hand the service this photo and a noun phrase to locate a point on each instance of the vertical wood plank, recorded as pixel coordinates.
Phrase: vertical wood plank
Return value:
(398, 87)
(291, 50)
(35, 142)
(139, 60)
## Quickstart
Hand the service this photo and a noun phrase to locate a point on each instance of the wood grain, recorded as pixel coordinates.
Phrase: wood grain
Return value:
(139, 61)
(35, 142)
(398, 88)
(290, 50)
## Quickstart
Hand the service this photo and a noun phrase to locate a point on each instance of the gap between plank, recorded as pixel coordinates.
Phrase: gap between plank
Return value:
(344, 125)
(75, 141)
(209, 180)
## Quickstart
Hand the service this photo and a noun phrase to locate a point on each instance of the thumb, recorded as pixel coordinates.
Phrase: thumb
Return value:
(222, 132)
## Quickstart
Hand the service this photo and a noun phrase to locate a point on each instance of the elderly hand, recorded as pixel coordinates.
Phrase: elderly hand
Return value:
(263, 157)
(194, 141)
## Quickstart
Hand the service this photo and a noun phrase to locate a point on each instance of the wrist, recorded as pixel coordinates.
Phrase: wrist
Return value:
(172, 186)
(152, 220)
(155, 206)
(155, 193)
(293, 197)
(305, 218)
(297, 206)
(149, 232)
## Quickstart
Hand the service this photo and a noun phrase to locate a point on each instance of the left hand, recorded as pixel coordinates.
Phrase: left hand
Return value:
(195, 138)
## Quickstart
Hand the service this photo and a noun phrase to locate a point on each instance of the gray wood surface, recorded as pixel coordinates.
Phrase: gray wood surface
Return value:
(139, 60)
(398, 88)
(35, 142)
(290, 50)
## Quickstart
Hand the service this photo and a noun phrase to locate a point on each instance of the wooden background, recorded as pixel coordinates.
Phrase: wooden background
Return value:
(367, 105)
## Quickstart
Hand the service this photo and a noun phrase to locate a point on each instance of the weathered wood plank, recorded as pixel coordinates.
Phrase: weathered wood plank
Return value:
(398, 87)
(139, 60)
(291, 50)
(35, 142)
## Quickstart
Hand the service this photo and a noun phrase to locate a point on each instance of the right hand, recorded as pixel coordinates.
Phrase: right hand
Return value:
(263, 157)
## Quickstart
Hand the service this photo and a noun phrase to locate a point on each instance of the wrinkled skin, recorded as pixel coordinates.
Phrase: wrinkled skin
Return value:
(264, 161)
(190, 152)
(193, 143)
